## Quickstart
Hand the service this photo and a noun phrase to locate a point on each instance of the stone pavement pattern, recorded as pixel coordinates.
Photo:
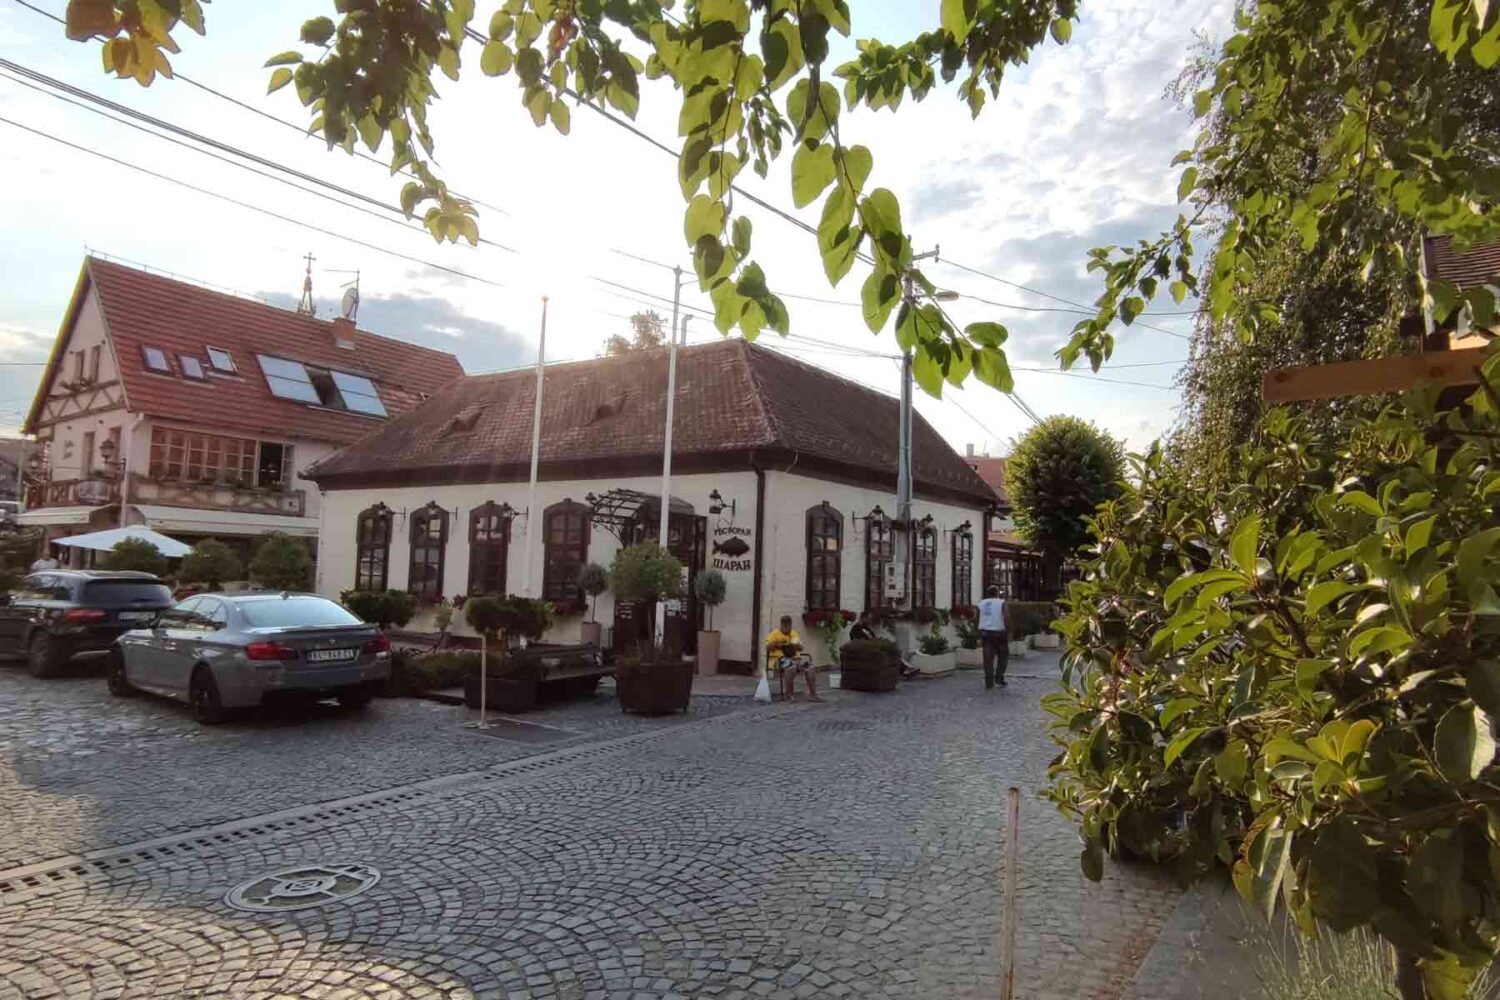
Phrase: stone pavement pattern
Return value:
(848, 849)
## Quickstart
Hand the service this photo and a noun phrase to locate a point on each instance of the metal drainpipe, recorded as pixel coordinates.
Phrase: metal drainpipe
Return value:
(760, 533)
(126, 439)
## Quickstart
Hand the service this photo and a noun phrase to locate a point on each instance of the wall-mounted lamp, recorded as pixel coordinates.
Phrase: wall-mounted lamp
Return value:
(716, 504)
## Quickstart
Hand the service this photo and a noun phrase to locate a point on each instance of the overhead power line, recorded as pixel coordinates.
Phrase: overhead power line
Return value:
(254, 208)
(301, 131)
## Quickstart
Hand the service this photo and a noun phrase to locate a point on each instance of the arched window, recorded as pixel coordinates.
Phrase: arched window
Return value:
(825, 552)
(372, 548)
(963, 569)
(429, 537)
(880, 555)
(924, 569)
(489, 548)
(565, 547)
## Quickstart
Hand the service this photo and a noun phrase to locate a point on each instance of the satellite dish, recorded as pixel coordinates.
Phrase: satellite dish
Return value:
(351, 302)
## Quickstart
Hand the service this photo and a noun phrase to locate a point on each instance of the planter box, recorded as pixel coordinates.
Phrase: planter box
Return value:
(870, 677)
(592, 633)
(708, 652)
(502, 694)
(1046, 640)
(1017, 649)
(934, 664)
(969, 659)
(655, 688)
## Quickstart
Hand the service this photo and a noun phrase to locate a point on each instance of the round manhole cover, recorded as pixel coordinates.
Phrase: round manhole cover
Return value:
(301, 888)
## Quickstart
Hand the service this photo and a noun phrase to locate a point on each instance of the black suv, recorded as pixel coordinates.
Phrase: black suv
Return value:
(56, 613)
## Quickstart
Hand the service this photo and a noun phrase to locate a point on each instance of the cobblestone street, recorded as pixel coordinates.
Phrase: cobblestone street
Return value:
(846, 849)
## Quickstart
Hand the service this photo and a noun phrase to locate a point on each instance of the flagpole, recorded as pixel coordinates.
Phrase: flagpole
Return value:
(663, 529)
(536, 453)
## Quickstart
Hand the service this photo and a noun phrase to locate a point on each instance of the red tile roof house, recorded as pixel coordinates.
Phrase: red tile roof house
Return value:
(195, 411)
(784, 479)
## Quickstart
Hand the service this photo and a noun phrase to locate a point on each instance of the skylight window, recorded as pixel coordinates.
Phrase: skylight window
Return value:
(156, 359)
(221, 360)
(191, 367)
(319, 386)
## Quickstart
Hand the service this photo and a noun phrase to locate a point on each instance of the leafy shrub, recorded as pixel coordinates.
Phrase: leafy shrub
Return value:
(858, 653)
(1296, 679)
(414, 673)
(385, 608)
(211, 563)
(710, 588)
(281, 562)
(934, 643)
(593, 579)
(505, 618)
(645, 572)
(138, 555)
(1058, 472)
(1030, 617)
(967, 630)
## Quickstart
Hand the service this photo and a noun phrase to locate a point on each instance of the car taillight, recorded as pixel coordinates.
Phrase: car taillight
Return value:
(85, 615)
(269, 651)
(379, 644)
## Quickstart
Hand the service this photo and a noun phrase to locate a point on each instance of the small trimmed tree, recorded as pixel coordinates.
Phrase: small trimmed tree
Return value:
(211, 563)
(645, 572)
(138, 555)
(381, 607)
(281, 562)
(710, 588)
(1057, 475)
(594, 579)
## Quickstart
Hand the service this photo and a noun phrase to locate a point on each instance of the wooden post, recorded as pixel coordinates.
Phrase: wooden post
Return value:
(484, 675)
(1008, 915)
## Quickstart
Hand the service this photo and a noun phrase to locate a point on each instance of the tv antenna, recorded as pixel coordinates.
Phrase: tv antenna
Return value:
(305, 304)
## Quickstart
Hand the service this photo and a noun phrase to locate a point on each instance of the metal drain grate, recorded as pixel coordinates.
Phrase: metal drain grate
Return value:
(842, 726)
(58, 874)
(524, 732)
(302, 888)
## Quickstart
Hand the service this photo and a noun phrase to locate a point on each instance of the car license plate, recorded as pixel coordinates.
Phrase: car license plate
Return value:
(136, 616)
(325, 655)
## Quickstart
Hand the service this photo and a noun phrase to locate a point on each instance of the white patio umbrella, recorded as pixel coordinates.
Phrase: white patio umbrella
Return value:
(106, 540)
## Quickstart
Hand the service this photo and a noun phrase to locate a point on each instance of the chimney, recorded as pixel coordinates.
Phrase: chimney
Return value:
(969, 450)
(343, 333)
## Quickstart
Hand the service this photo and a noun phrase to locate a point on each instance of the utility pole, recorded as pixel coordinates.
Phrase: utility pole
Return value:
(536, 453)
(666, 458)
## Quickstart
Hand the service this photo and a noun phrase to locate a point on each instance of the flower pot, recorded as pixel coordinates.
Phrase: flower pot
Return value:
(657, 687)
(934, 664)
(592, 633)
(969, 659)
(708, 652)
(1018, 648)
(1046, 640)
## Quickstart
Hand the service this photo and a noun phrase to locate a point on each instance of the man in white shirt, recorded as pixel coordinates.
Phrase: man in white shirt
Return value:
(994, 622)
(46, 562)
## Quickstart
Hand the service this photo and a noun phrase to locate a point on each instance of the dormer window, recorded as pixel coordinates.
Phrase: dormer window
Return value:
(156, 359)
(221, 360)
(191, 367)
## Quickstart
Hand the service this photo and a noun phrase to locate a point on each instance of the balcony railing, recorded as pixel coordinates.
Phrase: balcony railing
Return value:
(96, 491)
(217, 496)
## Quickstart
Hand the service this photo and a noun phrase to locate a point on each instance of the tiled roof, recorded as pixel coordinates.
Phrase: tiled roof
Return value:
(992, 471)
(732, 397)
(1478, 266)
(142, 310)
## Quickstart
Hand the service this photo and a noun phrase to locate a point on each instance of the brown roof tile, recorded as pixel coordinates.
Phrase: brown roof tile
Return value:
(732, 397)
(142, 309)
(1476, 267)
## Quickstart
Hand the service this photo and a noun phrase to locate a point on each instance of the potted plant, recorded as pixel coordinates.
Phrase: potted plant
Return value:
(968, 655)
(652, 679)
(500, 620)
(594, 579)
(709, 587)
(935, 658)
(211, 563)
(869, 665)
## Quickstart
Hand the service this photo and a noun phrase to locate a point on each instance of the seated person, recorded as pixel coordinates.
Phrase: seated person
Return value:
(864, 628)
(784, 655)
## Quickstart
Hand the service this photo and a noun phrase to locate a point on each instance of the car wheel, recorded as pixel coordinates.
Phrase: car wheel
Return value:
(44, 657)
(203, 696)
(119, 684)
(355, 697)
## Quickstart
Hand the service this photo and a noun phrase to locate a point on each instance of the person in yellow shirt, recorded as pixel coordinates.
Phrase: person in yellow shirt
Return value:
(784, 655)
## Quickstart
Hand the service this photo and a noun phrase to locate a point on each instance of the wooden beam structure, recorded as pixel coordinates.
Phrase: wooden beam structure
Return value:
(1365, 378)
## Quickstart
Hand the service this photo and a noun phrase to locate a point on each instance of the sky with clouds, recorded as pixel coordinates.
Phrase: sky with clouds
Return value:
(1073, 154)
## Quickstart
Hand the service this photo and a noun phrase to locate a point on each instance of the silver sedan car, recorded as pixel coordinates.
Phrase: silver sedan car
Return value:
(223, 651)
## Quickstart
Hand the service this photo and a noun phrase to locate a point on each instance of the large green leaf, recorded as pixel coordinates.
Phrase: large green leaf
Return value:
(1245, 543)
(1181, 742)
(1434, 877)
(1483, 680)
(1463, 744)
(812, 171)
(1341, 878)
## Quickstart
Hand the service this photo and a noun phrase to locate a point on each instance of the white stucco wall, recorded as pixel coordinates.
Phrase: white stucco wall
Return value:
(784, 587)
(788, 497)
(66, 436)
(340, 511)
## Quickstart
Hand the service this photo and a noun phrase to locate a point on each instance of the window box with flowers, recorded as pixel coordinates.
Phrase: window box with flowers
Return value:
(832, 623)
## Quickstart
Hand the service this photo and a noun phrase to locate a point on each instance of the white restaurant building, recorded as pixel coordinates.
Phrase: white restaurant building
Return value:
(784, 479)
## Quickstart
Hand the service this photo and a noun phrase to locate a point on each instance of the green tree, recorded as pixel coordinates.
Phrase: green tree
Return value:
(1057, 474)
(212, 563)
(1296, 679)
(138, 555)
(648, 332)
(385, 608)
(645, 572)
(281, 562)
